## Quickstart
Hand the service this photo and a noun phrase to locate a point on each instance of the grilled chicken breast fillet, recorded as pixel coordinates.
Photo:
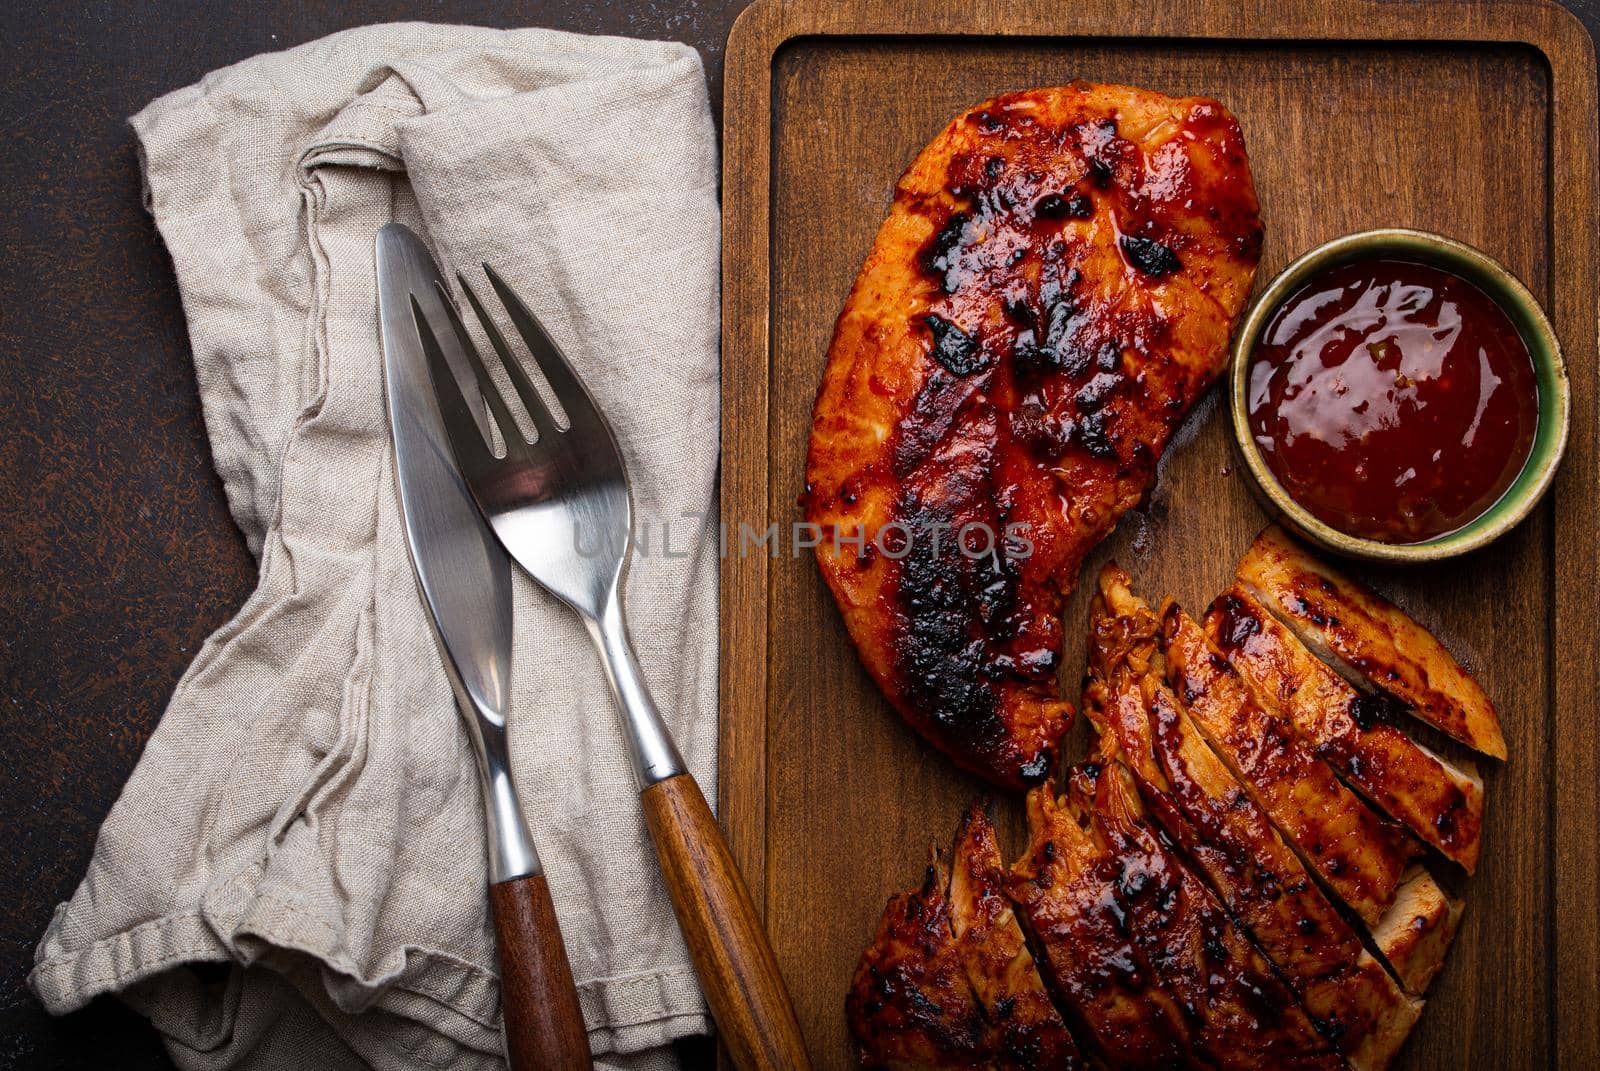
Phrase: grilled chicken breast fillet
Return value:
(1370, 640)
(1178, 894)
(1052, 291)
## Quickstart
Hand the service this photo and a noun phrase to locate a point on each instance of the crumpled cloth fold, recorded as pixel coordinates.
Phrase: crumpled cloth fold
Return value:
(294, 874)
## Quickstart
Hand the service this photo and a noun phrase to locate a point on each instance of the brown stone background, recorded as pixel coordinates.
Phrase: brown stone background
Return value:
(117, 555)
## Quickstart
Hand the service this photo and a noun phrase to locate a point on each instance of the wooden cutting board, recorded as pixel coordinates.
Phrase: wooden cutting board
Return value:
(1473, 119)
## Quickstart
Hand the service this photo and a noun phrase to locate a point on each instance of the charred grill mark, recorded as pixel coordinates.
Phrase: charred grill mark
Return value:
(1076, 340)
(1371, 709)
(1102, 149)
(1040, 430)
(1359, 733)
(1093, 394)
(1293, 923)
(944, 653)
(953, 347)
(1051, 206)
(1238, 623)
(1093, 433)
(1150, 256)
(1034, 771)
(954, 651)
(1016, 307)
(988, 122)
(1265, 754)
(1098, 978)
(1229, 987)
(938, 258)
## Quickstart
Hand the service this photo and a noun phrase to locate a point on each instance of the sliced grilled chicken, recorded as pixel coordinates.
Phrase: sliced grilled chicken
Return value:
(1052, 291)
(1416, 931)
(1440, 802)
(1357, 853)
(1182, 896)
(1066, 891)
(1362, 857)
(1027, 1030)
(1200, 805)
(1242, 1014)
(1370, 640)
(911, 1007)
(948, 983)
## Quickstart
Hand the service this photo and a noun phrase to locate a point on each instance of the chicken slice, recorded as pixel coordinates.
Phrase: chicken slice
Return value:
(1354, 731)
(911, 1006)
(948, 983)
(1200, 805)
(1370, 640)
(1357, 853)
(1065, 889)
(1416, 931)
(1243, 1015)
(1027, 1030)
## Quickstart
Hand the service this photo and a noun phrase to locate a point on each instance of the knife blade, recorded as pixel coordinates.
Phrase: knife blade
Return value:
(464, 580)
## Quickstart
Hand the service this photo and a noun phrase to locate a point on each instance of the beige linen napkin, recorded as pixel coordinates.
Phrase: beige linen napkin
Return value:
(294, 875)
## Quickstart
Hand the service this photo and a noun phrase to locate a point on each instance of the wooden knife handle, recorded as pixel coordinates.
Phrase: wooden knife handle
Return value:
(544, 1025)
(726, 940)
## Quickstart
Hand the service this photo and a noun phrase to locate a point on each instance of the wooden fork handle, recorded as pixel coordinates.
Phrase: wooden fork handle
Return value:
(544, 1025)
(726, 940)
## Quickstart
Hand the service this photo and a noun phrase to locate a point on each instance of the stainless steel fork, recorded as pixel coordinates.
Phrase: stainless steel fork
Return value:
(562, 508)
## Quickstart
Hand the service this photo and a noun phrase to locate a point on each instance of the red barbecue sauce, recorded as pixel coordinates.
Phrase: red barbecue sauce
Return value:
(1393, 400)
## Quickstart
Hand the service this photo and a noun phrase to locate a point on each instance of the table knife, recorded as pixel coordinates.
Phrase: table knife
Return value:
(561, 505)
(464, 579)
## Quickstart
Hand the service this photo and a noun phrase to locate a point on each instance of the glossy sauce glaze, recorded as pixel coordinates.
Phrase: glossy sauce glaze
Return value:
(1394, 400)
(1052, 291)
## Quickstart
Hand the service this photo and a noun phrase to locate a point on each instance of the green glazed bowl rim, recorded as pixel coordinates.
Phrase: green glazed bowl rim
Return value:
(1502, 287)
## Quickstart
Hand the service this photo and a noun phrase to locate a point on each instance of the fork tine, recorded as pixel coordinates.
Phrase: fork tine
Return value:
(466, 436)
(543, 419)
(564, 382)
(509, 429)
